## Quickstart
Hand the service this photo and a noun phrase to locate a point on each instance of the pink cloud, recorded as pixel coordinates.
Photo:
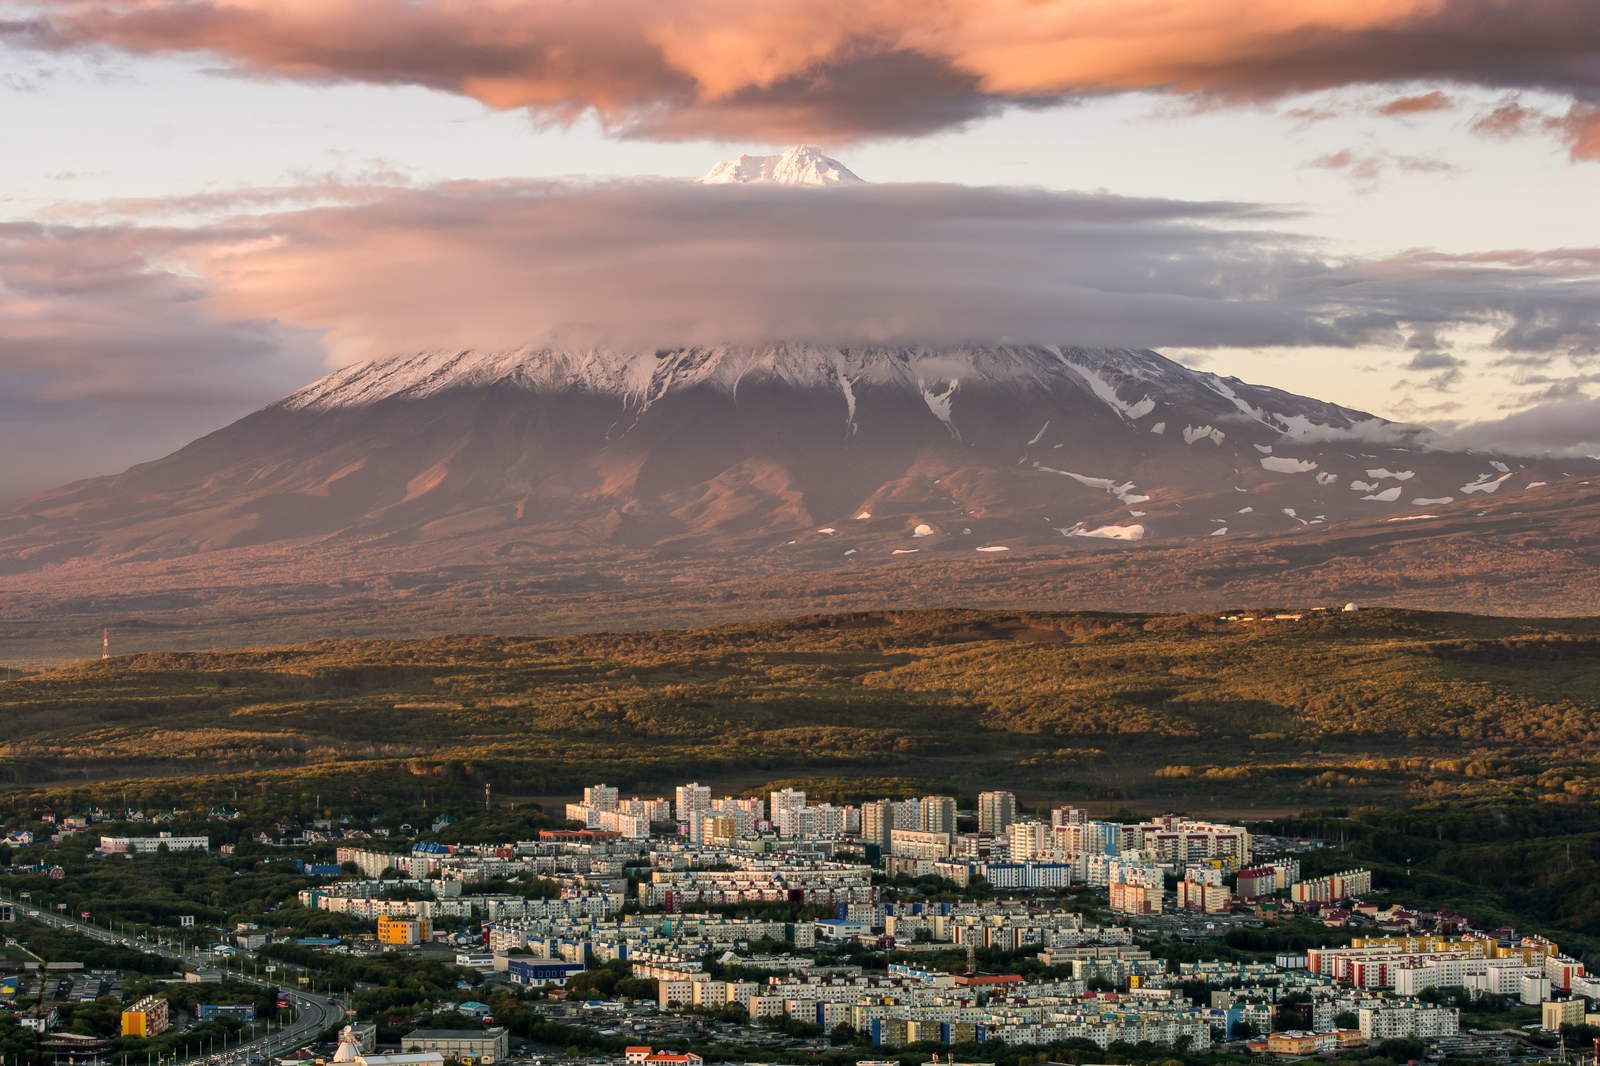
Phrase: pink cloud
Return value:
(1417, 105)
(841, 69)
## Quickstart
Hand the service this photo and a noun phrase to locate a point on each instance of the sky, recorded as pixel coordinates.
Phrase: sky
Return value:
(1385, 203)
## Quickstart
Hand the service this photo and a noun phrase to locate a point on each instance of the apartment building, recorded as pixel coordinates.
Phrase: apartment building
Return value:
(1203, 897)
(937, 814)
(690, 802)
(996, 811)
(1181, 840)
(1408, 1020)
(1334, 887)
(794, 883)
(1135, 898)
(146, 1018)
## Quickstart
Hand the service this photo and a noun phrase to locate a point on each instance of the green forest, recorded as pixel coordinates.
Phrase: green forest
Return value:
(1334, 708)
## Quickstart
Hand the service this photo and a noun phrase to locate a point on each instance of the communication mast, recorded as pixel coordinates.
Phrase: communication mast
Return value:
(105, 643)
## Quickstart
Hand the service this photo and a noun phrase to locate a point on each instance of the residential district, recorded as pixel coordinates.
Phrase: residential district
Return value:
(777, 922)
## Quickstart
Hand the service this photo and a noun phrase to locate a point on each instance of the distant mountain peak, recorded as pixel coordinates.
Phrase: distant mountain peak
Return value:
(803, 164)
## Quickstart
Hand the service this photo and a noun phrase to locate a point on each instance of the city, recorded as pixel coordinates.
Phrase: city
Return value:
(755, 928)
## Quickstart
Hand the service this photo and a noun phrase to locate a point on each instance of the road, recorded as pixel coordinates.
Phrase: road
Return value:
(313, 1013)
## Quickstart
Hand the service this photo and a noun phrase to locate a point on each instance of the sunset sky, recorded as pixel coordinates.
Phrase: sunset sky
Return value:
(1391, 204)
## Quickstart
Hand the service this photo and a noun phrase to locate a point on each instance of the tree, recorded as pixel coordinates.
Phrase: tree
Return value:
(1346, 1020)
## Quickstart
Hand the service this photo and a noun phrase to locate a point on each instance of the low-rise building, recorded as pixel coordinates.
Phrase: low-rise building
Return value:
(404, 932)
(465, 1045)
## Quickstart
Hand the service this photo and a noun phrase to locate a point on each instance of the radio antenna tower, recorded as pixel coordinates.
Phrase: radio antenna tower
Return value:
(105, 643)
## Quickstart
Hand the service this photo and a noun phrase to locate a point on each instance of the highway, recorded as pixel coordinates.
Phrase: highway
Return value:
(313, 1013)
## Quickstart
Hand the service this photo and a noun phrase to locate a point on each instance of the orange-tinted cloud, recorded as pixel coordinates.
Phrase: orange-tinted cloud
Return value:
(1417, 105)
(1579, 127)
(840, 69)
(1365, 170)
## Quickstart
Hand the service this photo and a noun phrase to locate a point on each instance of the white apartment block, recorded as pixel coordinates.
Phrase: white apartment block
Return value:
(600, 797)
(1180, 840)
(1408, 1020)
(818, 883)
(690, 801)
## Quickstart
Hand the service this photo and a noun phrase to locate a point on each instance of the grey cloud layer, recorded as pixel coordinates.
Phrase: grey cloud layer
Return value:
(213, 318)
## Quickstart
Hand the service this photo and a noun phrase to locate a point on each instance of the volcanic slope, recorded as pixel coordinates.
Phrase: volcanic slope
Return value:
(815, 452)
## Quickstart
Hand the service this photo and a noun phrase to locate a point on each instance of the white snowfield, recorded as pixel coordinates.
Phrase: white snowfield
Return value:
(1388, 495)
(1126, 382)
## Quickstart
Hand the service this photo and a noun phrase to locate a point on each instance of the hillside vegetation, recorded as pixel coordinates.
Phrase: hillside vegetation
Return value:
(1112, 708)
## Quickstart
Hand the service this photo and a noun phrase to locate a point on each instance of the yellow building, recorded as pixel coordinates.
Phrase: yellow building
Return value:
(404, 931)
(146, 1018)
(1553, 1014)
(1530, 950)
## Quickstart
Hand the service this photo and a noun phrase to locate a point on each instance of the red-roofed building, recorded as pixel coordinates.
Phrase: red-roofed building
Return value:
(639, 1055)
(986, 980)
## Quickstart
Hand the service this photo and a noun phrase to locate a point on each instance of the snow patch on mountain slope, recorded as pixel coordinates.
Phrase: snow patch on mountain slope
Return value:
(1487, 483)
(940, 400)
(1128, 532)
(1124, 492)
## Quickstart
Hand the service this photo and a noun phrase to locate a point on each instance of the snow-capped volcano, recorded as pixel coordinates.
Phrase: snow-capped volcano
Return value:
(845, 453)
(1132, 384)
(800, 165)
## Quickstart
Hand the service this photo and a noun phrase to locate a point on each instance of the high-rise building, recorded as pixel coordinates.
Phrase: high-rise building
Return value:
(785, 799)
(690, 802)
(996, 810)
(600, 797)
(877, 823)
(937, 814)
(1062, 816)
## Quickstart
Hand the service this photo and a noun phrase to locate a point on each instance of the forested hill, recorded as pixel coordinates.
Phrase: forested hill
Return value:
(1147, 710)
